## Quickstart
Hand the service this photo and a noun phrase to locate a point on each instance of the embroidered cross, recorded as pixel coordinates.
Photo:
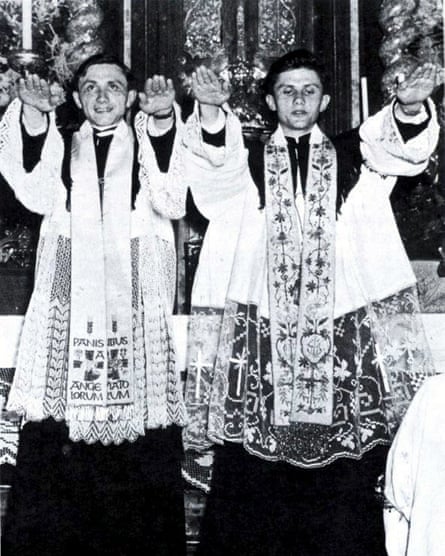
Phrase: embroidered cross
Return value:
(310, 385)
(198, 364)
(239, 362)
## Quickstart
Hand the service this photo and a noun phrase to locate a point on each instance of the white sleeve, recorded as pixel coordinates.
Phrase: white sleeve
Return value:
(165, 190)
(218, 177)
(36, 190)
(384, 150)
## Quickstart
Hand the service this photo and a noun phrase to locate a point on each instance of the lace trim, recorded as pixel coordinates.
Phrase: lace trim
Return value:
(166, 191)
(39, 389)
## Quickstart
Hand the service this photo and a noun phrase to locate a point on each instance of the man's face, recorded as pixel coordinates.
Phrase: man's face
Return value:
(298, 100)
(103, 95)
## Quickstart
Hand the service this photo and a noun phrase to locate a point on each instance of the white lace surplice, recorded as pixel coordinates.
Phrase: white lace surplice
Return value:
(39, 389)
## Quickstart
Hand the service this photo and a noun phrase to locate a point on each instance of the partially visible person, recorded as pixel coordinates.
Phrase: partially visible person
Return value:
(98, 467)
(414, 513)
(213, 143)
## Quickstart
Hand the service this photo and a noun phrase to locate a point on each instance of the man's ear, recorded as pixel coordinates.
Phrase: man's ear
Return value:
(132, 94)
(77, 99)
(270, 101)
(326, 99)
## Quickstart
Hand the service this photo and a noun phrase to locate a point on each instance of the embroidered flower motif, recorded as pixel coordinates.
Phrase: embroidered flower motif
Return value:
(348, 441)
(268, 373)
(341, 371)
(311, 286)
(250, 434)
(366, 433)
(272, 445)
(282, 269)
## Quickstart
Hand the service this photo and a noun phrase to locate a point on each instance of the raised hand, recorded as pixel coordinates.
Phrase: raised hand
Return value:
(207, 88)
(158, 96)
(418, 86)
(38, 93)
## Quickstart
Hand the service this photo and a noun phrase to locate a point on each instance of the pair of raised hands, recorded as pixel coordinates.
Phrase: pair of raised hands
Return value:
(158, 95)
(208, 89)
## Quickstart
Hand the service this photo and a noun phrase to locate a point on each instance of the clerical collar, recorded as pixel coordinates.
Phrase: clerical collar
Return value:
(105, 131)
(302, 140)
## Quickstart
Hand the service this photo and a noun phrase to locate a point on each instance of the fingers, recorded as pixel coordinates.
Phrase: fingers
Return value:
(225, 87)
(205, 77)
(32, 83)
(426, 73)
(158, 85)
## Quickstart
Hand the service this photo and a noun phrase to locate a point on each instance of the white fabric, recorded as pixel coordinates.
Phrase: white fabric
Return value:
(415, 477)
(38, 389)
(371, 261)
(166, 191)
(384, 150)
(218, 124)
(367, 248)
(219, 181)
(101, 340)
(301, 320)
(410, 119)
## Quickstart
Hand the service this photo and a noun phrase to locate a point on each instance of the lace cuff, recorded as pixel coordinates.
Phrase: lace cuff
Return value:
(36, 190)
(166, 191)
(385, 151)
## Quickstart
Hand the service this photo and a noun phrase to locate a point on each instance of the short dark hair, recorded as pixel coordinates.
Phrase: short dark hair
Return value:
(98, 59)
(295, 59)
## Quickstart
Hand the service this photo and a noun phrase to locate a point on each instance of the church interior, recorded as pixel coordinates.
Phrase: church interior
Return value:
(365, 45)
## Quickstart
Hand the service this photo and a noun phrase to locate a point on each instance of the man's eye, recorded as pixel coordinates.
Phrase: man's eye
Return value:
(117, 88)
(88, 88)
(288, 91)
(309, 91)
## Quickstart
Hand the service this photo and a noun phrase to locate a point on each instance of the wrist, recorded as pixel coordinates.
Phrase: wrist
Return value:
(33, 118)
(212, 118)
(164, 114)
(412, 109)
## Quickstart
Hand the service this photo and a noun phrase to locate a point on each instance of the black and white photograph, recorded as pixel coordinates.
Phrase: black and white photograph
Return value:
(222, 278)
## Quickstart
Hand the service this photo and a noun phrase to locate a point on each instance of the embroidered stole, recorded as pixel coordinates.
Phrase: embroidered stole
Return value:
(100, 374)
(300, 283)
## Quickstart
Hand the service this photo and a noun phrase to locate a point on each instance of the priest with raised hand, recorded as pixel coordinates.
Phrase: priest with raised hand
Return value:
(98, 467)
(321, 346)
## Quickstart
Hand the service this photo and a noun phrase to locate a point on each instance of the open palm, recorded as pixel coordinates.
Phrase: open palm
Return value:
(158, 95)
(207, 88)
(418, 86)
(38, 93)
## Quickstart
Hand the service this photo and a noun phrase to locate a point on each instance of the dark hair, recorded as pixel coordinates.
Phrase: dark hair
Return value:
(98, 59)
(300, 58)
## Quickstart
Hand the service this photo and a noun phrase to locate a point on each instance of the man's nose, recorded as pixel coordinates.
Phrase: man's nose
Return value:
(298, 97)
(102, 95)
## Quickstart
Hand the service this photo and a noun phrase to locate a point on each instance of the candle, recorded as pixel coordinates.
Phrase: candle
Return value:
(365, 106)
(127, 33)
(27, 24)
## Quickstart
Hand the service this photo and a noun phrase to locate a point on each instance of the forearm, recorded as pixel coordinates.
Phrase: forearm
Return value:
(34, 184)
(164, 120)
(34, 120)
(411, 120)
